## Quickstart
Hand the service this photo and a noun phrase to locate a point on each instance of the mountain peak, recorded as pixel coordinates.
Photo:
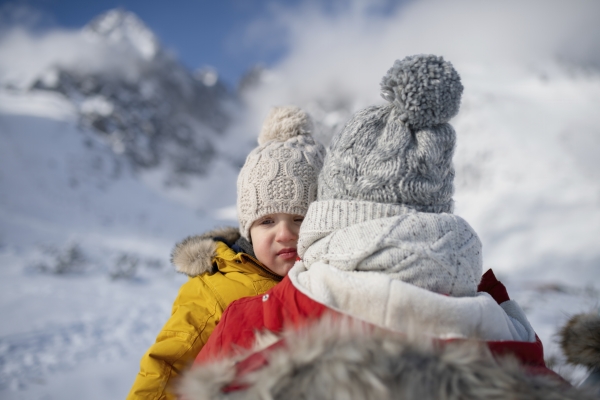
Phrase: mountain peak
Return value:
(121, 26)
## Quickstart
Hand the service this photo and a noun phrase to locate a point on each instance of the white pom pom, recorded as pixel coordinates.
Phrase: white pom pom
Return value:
(425, 88)
(284, 123)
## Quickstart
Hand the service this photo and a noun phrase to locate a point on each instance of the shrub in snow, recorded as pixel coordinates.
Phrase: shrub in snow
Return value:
(125, 266)
(154, 263)
(67, 260)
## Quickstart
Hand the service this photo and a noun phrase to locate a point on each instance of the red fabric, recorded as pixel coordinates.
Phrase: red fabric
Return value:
(287, 306)
(531, 355)
(493, 287)
(280, 307)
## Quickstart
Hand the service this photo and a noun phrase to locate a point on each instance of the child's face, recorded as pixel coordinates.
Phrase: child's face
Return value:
(275, 239)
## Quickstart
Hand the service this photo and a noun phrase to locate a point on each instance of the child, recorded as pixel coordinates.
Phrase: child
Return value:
(380, 244)
(274, 188)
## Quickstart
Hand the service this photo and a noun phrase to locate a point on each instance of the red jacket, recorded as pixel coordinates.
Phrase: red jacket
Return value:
(284, 306)
(280, 307)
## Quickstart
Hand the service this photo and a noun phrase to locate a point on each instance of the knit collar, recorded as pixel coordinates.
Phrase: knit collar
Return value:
(437, 252)
(324, 217)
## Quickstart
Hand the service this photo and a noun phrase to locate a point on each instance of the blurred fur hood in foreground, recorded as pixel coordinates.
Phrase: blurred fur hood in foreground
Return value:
(343, 359)
(580, 341)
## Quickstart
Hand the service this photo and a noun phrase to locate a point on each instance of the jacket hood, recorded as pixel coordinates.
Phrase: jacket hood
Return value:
(337, 358)
(193, 256)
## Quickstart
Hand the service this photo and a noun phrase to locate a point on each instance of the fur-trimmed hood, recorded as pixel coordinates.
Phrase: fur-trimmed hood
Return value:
(580, 340)
(193, 256)
(348, 360)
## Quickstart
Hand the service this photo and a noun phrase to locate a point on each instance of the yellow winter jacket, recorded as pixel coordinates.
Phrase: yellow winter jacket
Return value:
(218, 276)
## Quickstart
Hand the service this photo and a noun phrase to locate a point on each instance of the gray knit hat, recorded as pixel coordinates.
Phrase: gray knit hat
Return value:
(401, 152)
(280, 175)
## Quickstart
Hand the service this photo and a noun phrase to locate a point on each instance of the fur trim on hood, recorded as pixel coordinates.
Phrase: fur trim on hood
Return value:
(580, 340)
(193, 256)
(348, 360)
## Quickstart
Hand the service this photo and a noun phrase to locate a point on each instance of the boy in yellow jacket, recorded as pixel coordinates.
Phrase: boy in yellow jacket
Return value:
(274, 188)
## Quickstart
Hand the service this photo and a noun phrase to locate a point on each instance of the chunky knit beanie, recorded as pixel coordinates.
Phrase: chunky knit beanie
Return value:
(384, 200)
(280, 175)
(401, 152)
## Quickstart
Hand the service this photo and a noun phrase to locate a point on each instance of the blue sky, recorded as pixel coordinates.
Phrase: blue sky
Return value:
(313, 43)
(200, 32)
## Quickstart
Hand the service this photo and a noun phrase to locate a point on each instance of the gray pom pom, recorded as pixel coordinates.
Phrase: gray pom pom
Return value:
(425, 88)
(284, 123)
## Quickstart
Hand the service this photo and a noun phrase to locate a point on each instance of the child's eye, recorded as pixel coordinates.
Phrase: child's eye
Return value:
(267, 221)
(299, 219)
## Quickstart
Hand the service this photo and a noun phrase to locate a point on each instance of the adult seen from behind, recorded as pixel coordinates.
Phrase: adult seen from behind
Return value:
(388, 299)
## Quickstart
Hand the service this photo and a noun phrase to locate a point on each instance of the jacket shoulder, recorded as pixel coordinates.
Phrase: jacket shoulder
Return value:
(193, 255)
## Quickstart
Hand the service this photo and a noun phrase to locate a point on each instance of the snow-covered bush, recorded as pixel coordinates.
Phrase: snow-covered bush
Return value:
(62, 261)
(125, 266)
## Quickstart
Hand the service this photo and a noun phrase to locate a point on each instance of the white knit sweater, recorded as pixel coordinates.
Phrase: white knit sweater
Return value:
(396, 268)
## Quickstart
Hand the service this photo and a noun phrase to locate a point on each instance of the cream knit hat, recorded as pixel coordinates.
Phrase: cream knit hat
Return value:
(280, 175)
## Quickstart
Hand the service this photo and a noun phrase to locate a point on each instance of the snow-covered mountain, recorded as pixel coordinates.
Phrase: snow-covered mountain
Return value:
(111, 151)
(120, 134)
(152, 110)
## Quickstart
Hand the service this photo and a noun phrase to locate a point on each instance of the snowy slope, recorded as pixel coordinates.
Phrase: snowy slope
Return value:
(60, 181)
(85, 239)
(63, 190)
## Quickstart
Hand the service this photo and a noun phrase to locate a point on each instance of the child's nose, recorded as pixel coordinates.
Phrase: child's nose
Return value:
(287, 232)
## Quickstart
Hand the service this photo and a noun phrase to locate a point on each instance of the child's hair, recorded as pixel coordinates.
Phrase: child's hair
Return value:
(280, 175)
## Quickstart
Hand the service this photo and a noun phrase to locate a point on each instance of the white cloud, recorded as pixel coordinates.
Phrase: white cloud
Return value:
(342, 53)
(25, 55)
